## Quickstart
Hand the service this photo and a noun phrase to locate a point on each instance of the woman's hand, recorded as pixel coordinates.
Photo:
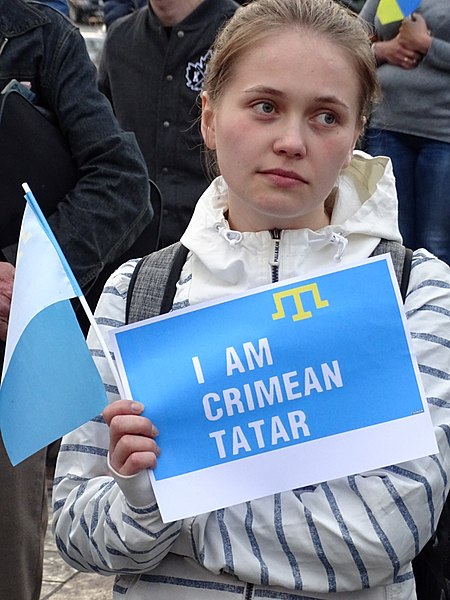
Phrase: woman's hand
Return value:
(414, 35)
(132, 447)
(394, 53)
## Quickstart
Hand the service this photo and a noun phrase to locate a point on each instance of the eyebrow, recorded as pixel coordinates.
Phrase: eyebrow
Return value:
(262, 89)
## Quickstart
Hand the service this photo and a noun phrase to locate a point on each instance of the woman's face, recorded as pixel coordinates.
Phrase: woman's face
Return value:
(284, 127)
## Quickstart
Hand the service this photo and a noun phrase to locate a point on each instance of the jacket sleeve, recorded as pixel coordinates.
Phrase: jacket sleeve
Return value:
(103, 524)
(110, 204)
(360, 531)
(368, 11)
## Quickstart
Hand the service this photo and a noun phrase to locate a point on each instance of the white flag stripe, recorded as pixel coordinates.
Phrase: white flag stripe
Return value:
(45, 287)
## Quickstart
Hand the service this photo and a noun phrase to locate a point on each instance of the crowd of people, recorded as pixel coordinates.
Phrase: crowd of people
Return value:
(283, 135)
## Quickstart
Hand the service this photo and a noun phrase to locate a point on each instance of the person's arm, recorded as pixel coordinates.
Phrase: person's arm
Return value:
(104, 521)
(109, 205)
(103, 76)
(368, 12)
(363, 530)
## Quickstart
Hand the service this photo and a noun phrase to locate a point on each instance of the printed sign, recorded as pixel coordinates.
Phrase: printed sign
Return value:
(286, 386)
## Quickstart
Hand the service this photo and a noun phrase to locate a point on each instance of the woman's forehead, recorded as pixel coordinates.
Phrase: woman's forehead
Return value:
(295, 59)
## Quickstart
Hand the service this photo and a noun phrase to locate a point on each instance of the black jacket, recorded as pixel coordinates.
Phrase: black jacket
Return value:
(109, 205)
(153, 78)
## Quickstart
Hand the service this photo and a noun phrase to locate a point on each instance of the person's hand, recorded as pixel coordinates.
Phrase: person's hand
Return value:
(6, 286)
(132, 447)
(394, 53)
(414, 35)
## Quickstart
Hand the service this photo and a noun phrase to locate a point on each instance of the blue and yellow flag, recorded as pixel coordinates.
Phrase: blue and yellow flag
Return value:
(389, 11)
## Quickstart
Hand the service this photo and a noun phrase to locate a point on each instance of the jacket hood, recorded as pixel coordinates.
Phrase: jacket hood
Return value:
(364, 212)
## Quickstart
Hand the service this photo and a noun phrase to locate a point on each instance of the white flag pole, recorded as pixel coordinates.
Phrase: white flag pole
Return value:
(103, 345)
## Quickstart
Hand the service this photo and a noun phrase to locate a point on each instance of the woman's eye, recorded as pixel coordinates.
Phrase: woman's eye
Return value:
(327, 119)
(264, 108)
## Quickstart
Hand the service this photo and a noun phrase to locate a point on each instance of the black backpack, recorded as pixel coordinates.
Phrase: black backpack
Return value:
(151, 293)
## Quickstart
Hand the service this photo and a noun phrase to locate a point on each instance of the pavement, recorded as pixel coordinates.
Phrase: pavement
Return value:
(61, 582)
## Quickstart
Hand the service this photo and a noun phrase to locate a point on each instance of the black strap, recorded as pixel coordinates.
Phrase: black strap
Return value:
(161, 271)
(174, 276)
(137, 268)
(401, 260)
(406, 272)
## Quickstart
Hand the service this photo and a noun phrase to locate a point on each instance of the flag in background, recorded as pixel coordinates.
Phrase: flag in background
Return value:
(389, 11)
(50, 384)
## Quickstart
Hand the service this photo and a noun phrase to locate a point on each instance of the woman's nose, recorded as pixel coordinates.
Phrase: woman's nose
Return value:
(290, 142)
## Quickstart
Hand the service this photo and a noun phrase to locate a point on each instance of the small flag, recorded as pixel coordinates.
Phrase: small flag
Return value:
(389, 11)
(50, 384)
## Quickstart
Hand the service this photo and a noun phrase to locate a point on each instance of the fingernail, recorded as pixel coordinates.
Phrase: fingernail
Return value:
(155, 431)
(137, 407)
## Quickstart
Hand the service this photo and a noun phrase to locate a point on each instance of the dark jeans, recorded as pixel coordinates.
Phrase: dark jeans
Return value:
(422, 173)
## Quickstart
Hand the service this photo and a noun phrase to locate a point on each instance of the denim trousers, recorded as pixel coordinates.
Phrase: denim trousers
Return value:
(422, 172)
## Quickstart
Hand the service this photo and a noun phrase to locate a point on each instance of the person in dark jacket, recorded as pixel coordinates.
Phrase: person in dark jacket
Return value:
(114, 9)
(96, 222)
(152, 69)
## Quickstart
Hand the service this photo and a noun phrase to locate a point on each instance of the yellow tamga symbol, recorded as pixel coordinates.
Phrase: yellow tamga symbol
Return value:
(296, 294)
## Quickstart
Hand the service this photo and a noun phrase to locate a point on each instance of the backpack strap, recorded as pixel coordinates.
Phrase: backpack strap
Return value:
(153, 283)
(154, 279)
(401, 259)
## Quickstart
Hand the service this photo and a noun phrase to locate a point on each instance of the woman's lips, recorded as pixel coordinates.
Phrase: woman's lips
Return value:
(282, 178)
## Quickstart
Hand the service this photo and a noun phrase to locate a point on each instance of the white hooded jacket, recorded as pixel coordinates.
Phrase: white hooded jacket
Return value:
(352, 537)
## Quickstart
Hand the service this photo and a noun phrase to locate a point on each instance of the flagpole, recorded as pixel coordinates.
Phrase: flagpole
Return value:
(105, 349)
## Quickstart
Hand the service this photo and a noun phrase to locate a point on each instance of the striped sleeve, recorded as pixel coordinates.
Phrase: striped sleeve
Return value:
(101, 524)
(361, 531)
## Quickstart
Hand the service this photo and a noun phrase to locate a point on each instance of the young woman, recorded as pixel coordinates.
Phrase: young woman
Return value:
(289, 87)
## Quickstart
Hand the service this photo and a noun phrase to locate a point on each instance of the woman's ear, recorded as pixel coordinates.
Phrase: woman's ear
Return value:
(208, 122)
(358, 133)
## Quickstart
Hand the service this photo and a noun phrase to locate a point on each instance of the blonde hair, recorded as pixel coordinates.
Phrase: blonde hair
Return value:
(259, 19)
(256, 21)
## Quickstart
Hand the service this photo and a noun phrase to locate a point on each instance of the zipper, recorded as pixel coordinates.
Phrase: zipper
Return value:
(248, 595)
(2, 47)
(275, 262)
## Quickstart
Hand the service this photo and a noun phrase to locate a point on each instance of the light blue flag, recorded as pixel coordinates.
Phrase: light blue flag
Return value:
(50, 384)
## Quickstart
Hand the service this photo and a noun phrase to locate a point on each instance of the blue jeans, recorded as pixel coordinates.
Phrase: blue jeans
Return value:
(422, 173)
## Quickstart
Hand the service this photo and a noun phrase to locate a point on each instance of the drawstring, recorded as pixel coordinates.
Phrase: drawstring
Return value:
(341, 242)
(330, 237)
(232, 237)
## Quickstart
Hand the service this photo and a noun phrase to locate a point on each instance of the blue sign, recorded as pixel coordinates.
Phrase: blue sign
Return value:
(290, 363)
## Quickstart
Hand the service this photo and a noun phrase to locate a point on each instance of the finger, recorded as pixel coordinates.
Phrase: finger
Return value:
(122, 407)
(408, 62)
(417, 17)
(134, 453)
(138, 462)
(122, 425)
